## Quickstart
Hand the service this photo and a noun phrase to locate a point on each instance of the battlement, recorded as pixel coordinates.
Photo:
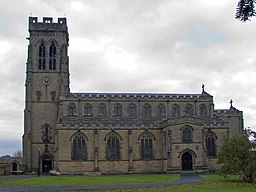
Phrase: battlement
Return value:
(47, 24)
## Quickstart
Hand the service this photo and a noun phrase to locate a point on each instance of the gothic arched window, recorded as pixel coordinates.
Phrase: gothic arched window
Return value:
(52, 57)
(46, 132)
(203, 110)
(161, 111)
(146, 145)
(132, 110)
(41, 57)
(113, 147)
(72, 110)
(189, 110)
(102, 109)
(210, 143)
(187, 134)
(147, 110)
(78, 149)
(118, 110)
(175, 110)
(88, 110)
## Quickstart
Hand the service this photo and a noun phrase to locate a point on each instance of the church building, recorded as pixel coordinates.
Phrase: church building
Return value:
(112, 133)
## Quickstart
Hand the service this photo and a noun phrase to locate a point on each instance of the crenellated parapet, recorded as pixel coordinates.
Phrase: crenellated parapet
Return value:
(138, 96)
(228, 112)
(47, 24)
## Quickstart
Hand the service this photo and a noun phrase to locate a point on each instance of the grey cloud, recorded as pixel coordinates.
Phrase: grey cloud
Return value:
(177, 46)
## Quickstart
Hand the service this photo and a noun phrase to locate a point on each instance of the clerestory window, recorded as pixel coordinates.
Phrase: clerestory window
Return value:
(175, 110)
(132, 110)
(189, 110)
(88, 110)
(72, 110)
(147, 110)
(118, 110)
(161, 111)
(203, 110)
(102, 110)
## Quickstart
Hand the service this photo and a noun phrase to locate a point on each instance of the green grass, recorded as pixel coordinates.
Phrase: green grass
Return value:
(212, 183)
(91, 180)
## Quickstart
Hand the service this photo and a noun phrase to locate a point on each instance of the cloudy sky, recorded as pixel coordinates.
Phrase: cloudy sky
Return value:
(164, 46)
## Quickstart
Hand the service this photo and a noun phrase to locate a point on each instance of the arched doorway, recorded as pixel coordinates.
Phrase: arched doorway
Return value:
(187, 162)
(46, 164)
(14, 166)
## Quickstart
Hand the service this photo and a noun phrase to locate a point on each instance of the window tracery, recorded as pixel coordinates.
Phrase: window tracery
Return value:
(210, 143)
(88, 110)
(146, 145)
(189, 110)
(132, 110)
(118, 110)
(78, 148)
(41, 57)
(102, 109)
(46, 131)
(175, 110)
(147, 110)
(161, 110)
(113, 147)
(203, 110)
(52, 57)
(187, 134)
(72, 110)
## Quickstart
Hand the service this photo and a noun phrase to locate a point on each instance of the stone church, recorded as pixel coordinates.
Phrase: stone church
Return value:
(111, 133)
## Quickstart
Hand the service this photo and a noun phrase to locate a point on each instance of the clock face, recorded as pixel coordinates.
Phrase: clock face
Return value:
(46, 81)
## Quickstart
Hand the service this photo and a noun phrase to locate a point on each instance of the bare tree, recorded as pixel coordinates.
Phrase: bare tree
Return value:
(17, 153)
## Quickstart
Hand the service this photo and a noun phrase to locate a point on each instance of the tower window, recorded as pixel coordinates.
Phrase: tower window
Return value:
(52, 57)
(46, 131)
(41, 57)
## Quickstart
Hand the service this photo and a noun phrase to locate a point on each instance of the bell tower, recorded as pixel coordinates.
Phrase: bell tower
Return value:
(47, 78)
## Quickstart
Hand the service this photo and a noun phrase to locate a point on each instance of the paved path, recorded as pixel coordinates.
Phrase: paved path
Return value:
(186, 177)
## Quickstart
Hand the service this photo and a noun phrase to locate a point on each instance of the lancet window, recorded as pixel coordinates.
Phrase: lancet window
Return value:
(52, 57)
(41, 57)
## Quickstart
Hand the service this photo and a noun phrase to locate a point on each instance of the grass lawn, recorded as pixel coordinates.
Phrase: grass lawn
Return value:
(91, 180)
(212, 183)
